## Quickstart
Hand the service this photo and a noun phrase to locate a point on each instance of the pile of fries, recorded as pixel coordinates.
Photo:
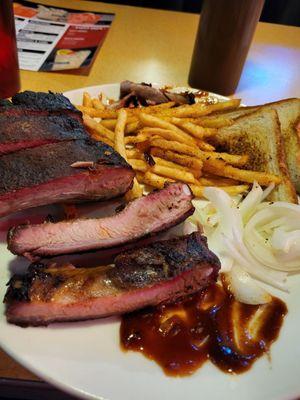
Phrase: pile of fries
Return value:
(167, 143)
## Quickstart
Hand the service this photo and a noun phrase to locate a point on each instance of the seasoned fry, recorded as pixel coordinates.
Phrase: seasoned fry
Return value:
(141, 137)
(175, 146)
(136, 190)
(170, 164)
(170, 135)
(232, 190)
(133, 126)
(119, 133)
(92, 112)
(214, 180)
(97, 104)
(176, 174)
(87, 100)
(184, 160)
(109, 123)
(200, 109)
(203, 155)
(153, 121)
(205, 146)
(195, 130)
(98, 127)
(234, 159)
(134, 153)
(155, 180)
(138, 165)
(154, 109)
(219, 167)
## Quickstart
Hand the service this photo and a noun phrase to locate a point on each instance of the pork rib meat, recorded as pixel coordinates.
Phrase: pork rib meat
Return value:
(144, 216)
(161, 272)
(24, 131)
(44, 175)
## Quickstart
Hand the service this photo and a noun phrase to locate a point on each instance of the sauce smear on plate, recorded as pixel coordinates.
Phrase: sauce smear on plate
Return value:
(208, 325)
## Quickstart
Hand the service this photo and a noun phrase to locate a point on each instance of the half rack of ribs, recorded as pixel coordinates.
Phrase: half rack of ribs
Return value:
(160, 272)
(41, 136)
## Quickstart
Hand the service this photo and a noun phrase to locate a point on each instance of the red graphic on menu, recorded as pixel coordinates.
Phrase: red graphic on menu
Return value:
(77, 37)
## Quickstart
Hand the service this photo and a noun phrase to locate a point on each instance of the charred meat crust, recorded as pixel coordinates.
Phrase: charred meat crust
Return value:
(14, 129)
(43, 101)
(160, 261)
(34, 166)
(19, 285)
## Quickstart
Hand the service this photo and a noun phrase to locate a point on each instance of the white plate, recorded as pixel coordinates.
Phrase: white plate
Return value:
(85, 358)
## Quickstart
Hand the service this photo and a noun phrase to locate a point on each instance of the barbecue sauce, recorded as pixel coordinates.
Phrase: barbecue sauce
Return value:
(208, 325)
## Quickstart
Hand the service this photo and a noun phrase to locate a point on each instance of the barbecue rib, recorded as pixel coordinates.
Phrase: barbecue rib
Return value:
(147, 215)
(24, 131)
(39, 103)
(43, 175)
(160, 272)
(43, 101)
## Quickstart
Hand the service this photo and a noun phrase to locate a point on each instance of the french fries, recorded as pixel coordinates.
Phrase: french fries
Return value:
(155, 122)
(142, 137)
(97, 104)
(171, 164)
(98, 127)
(170, 135)
(92, 112)
(136, 190)
(138, 165)
(134, 153)
(232, 190)
(87, 100)
(195, 130)
(174, 174)
(166, 143)
(219, 167)
(119, 133)
(154, 180)
(184, 160)
(200, 109)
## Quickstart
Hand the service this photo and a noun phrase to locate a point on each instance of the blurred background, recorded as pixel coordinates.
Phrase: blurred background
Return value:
(285, 12)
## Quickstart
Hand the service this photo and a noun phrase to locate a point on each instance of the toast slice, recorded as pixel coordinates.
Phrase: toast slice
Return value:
(258, 134)
(289, 116)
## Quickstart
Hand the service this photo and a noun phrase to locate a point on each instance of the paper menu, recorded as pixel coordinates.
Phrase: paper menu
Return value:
(52, 39)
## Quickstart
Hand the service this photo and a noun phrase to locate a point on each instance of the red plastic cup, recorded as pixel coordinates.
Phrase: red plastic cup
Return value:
(9, 65)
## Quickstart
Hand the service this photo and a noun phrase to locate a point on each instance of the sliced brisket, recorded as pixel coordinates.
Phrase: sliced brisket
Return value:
(43, 175)
(145, 216)
(161, 272)
(146, 94)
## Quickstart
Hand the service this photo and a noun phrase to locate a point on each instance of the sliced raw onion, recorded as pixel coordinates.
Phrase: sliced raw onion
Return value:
(244, 289)
(262, 239)
(272, 235)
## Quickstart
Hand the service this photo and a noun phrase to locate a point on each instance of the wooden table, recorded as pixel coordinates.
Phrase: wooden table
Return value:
(156, 46)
